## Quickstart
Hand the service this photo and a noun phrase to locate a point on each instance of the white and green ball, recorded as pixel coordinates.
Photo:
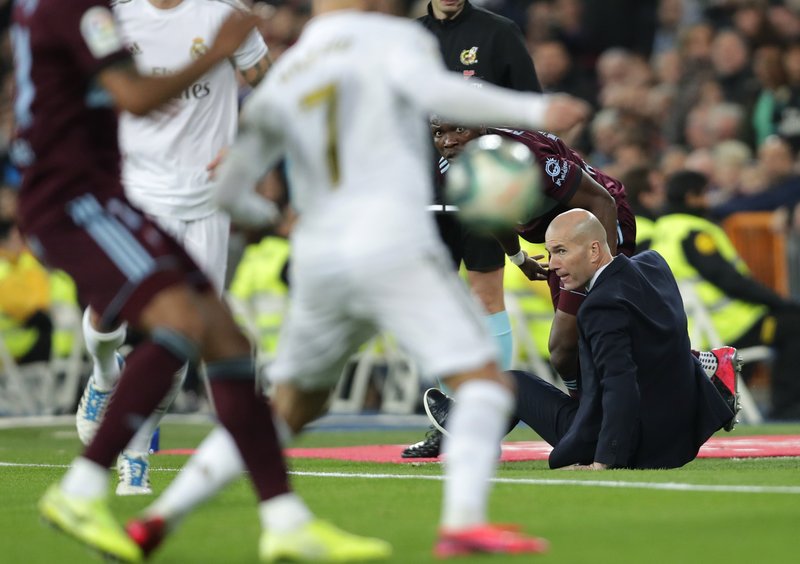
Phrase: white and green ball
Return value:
(495, 182)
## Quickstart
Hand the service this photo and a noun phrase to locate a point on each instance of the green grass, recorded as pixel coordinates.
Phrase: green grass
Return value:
(584, 524)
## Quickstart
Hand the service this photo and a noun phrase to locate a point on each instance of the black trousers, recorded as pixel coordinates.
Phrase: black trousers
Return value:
(543, 407)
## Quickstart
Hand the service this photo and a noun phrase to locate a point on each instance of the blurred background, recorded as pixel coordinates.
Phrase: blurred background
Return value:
(711, 86)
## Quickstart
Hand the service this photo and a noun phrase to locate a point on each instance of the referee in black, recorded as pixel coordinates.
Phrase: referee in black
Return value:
(477, 44)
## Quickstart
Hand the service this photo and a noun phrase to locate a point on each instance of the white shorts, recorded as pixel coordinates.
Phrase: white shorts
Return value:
(206, 241)
(420, 301)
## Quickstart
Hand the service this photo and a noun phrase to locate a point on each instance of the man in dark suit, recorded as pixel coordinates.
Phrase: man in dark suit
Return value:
(647, 402)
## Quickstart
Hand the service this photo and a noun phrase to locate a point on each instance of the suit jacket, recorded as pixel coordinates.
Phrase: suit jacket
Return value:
(646, 401)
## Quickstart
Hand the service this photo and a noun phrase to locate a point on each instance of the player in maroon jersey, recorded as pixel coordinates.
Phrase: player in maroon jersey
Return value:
(71, 74)
(568, 182)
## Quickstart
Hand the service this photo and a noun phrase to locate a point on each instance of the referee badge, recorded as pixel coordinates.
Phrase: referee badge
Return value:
(469, 56)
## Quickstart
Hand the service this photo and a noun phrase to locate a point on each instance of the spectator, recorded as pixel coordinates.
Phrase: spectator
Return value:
(744, 312)
(25, 324)
(777, 185)
(556, 73)
(645, 190)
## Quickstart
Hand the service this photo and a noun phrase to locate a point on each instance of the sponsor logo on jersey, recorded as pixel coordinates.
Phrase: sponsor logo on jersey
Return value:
(198, 48)
(99, 32)
(469, 73)
(469, 56)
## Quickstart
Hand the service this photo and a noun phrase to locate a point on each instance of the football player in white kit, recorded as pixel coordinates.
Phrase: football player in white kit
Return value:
(348, 108)
(168, 160)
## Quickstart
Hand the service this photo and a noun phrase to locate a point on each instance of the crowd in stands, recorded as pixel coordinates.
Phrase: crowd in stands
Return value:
(709, 86)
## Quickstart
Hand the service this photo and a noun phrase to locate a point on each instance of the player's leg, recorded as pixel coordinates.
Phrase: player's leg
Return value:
(431, 313)
(316, 341)
(290, 529)
(123, 267)
(484, 260)
(563, 341)
(106, 367)
(205, 240)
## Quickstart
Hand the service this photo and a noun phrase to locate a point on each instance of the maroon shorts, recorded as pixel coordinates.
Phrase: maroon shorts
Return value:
(118, 258)
(570, 301)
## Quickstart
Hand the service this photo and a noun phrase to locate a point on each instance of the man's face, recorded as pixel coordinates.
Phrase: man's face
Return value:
(571, 260)
(450, 139)
(447, 9)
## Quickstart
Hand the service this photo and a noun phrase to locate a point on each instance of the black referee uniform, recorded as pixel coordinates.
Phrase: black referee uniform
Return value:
(479, 44)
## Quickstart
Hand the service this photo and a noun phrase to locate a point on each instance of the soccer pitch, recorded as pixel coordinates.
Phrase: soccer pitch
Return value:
(727, 511)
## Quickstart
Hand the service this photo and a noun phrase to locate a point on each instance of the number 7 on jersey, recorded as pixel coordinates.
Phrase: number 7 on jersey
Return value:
(328, 96)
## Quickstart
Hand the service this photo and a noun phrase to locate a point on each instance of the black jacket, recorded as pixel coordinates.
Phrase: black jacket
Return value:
(478, 43)
(646, 401)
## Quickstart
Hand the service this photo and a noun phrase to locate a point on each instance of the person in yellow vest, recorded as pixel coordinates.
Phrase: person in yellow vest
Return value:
(743, 311)
(25, 326)
(261, 284)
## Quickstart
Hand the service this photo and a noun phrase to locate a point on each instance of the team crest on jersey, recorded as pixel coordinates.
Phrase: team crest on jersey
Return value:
(552, 167)
(469, 56)
(557, 171)
(198, 48)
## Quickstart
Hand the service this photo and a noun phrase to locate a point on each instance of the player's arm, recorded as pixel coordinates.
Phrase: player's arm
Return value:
(530, 266)
(590, 196)
(254, 74)
(140, 94)
(420, 76)
(258, 148)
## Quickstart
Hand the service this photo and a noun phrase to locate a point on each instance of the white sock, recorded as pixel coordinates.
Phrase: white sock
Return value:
(140, 443)
(216, 463)
(284, 513)
(85, 478)
(709, 362)
(103, 347)
(477, 424)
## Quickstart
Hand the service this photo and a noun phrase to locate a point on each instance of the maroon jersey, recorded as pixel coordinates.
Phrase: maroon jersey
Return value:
(562, 170)
(66, 140)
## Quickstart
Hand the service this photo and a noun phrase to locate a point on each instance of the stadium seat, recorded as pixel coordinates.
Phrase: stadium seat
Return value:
(762, 246)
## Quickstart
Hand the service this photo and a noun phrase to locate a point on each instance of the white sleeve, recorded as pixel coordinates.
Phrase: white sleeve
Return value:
(252, 50)
(420, 76)
(256, 150)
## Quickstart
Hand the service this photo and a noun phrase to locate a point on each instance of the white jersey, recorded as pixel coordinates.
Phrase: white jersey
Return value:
(348, 106)
(165, 154)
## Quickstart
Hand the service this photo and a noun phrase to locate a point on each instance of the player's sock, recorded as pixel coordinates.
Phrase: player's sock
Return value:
(284, 513)
(477, 424)
(148, 376)
(499, 326)
(215, 464)
(248, 418)
(85, 478)
(141, 440)
(103, 347)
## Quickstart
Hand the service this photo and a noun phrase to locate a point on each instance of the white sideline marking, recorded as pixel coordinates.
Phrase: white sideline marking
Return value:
(668, 486)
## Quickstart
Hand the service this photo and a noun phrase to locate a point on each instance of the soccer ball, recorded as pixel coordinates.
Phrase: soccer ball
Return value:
(495, 183)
